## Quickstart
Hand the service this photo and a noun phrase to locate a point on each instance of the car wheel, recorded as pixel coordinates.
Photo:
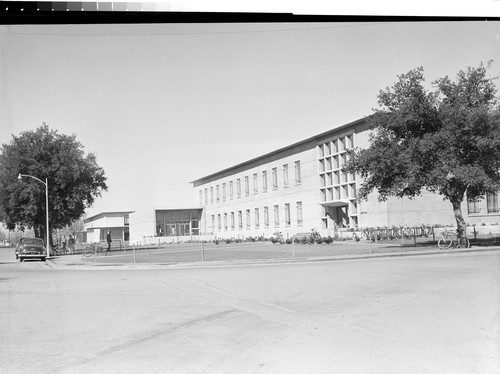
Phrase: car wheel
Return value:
(43, 258)
(21, 259)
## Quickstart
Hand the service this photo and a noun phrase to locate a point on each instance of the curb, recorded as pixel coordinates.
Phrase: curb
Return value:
(275, 261)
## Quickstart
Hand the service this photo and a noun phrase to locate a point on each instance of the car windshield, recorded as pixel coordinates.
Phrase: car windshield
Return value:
(32, 242)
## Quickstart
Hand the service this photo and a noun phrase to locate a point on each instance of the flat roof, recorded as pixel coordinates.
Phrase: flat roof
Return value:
(107, 214)
(314, 138)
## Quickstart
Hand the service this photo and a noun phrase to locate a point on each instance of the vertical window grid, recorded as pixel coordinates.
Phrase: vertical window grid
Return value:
(248, 219)
(299, 214)
(240, 219)
(298, 179)
(288, 220)
(247, 186)
(492, 202)
(266, 217)
(285, 175)
(276, 216)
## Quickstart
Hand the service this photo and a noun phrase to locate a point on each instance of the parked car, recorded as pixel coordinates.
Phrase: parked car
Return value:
(30, 248)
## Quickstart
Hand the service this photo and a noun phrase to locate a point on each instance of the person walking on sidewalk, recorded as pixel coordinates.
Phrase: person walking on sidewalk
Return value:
(108, 239)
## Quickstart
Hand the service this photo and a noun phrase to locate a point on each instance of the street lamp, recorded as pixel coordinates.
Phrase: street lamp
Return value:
(46, 183)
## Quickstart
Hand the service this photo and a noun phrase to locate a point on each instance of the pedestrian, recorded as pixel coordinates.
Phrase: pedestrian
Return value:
(71, 244)
(64, 248)
(108, 239)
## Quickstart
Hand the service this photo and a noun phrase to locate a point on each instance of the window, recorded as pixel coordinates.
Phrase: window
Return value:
(264, 181)
(275, 178)
(255, 184)
(285, 175)
(247, 186)
(276, 216)
(232, 220)
(231, 190)
(299, 213)
(223, 192)
(211, 195)
(473, 207)
(257, 218)
(218, 222)
(248, 219)
(266, 217)
(287, 214)
(238, 188)
(217, 193)
(225, 221)
(492, 202)
(240, 219)
(201, 197)
(297, 173)
(206, 195)
(213, 222)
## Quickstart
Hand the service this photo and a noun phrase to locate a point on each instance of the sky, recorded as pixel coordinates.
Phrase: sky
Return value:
(161, 105)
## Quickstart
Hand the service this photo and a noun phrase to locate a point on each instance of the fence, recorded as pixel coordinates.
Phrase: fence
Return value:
(211, 248)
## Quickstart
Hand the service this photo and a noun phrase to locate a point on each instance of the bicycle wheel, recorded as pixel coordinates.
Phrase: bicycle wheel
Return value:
(101, 249)
(88, 251)
(463, 243)
(445, 243)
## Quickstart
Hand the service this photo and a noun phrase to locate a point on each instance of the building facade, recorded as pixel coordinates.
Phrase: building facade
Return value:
(302, 187)
(293, 190)
(165, 225)
(96, 227)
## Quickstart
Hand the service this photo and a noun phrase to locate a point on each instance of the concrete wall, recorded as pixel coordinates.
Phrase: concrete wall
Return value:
(142, 224)
(106, 221)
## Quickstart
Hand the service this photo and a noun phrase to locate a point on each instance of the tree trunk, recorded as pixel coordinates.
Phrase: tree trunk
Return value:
(457, 210)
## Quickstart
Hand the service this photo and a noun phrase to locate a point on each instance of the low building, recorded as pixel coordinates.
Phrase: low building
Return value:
(165, 225)
(96, 227)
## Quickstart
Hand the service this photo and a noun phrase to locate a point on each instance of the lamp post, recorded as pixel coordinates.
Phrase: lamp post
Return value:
(46, 183)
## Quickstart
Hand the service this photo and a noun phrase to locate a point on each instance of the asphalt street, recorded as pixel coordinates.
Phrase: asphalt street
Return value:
(416, 314)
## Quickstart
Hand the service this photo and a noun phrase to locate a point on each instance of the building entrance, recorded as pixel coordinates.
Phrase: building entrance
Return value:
(336, 216)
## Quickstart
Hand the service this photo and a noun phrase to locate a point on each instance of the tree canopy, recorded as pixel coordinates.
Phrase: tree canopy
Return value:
(74, 180)
(446, 140)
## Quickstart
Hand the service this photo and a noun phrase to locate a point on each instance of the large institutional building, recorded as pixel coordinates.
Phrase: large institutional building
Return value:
(294, 190)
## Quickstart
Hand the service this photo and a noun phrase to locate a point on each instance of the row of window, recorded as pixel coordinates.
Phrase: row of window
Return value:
(337, 177)
(336, 146)
(347, 191)
(492, 204)
(243, 219)
(226, 189)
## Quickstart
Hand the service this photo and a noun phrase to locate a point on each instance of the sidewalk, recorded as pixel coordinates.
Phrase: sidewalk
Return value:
(79, 262)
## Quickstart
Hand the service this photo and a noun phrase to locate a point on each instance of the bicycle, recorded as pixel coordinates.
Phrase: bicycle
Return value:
(93, 248)
(449, 237)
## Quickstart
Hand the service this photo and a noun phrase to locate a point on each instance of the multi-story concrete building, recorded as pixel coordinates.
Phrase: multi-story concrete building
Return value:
(302, 187)
(292, 190)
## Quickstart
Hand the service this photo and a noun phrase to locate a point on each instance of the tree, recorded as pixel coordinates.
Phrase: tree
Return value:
(446, 141)
(74, 180)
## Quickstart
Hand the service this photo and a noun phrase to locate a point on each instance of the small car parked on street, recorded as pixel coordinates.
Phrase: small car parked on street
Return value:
(28, 248)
